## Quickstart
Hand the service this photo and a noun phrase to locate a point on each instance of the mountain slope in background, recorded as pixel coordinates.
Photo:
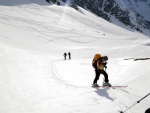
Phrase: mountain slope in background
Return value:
(132, 14)
(140, 6)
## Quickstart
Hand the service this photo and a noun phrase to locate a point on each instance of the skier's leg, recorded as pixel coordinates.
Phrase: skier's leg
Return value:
(96, 76)
(105, 76)
(106, 82)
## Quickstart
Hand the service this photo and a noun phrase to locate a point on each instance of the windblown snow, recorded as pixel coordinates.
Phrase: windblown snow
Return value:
(35, 78)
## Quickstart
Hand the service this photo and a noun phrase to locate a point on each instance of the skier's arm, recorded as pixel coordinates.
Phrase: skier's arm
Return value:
(104, 64)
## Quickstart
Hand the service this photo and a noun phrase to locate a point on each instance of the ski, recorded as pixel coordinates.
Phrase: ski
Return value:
(119, 86)
(113, 87)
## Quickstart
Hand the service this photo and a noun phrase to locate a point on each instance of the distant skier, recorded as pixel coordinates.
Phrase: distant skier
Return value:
(65, 55)
(69, 54)
(101, 64)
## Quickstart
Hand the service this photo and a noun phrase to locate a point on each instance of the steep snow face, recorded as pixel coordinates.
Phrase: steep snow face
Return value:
(124, 13)
(138, 12)
(140, 6)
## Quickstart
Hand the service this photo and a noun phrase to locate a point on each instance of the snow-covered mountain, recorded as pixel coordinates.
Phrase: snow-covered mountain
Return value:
(140, 6)
(35, 78)
(138, 12)
(132, 14)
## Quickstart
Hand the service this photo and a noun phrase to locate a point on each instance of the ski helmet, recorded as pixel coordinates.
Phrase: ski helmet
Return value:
(105, 57)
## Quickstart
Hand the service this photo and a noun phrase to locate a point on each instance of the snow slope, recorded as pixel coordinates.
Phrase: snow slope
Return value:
(34, 77)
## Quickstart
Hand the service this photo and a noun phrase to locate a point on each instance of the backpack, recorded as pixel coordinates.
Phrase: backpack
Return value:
(95, 59)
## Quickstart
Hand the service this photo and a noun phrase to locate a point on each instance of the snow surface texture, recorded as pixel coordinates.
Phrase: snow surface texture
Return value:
(35, 78)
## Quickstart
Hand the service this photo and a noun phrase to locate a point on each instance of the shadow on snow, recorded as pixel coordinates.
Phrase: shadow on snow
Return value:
(103, 93)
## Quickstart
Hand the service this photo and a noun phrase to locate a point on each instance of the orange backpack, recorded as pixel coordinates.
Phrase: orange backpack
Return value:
(94, 61)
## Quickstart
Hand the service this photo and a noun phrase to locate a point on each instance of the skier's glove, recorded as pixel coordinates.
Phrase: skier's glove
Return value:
(104, 64)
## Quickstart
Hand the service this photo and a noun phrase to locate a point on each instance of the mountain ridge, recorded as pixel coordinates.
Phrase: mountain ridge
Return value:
(129, 13)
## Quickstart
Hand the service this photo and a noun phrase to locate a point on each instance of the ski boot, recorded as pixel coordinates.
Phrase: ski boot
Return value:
(106, 84)
(95, 85)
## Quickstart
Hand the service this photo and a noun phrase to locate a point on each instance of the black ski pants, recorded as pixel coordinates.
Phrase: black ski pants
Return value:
(98, 72)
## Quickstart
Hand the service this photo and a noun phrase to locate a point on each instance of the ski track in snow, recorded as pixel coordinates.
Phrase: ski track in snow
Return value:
(100, 91)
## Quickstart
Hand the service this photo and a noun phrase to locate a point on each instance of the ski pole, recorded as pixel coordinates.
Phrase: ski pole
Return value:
(135, 103)
(143, 98)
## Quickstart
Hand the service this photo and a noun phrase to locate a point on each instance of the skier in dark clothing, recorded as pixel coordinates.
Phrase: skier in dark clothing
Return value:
(101, 64)
(69, 54)
(65, 55)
